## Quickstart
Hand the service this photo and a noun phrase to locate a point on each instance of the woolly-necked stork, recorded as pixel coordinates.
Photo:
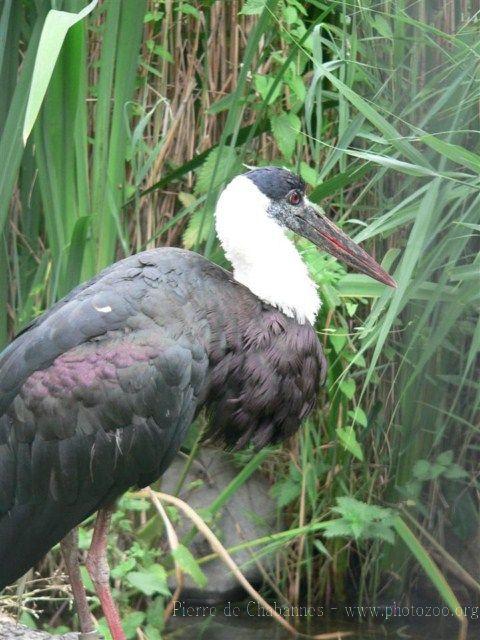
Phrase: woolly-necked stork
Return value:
(97, 394)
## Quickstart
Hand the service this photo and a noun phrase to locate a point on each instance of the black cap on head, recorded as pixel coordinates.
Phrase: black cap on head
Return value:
(275, 182)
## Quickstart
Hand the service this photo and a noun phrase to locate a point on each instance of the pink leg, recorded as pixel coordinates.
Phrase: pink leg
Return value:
(99, 571)
(69, 547)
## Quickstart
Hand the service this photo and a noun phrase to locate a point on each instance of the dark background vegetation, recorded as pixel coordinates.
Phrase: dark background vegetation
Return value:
(152, 107)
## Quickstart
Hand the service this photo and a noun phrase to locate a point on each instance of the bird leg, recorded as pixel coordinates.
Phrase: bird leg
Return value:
(99, 571)
(69, 546)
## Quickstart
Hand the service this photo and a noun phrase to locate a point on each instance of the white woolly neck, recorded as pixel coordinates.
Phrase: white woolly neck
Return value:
(263, 258)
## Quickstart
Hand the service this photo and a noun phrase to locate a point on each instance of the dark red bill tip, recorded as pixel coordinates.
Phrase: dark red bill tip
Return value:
(387, 279)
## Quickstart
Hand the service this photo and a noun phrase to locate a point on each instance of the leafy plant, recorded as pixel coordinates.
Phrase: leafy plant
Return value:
(443, 466)
(361, 521)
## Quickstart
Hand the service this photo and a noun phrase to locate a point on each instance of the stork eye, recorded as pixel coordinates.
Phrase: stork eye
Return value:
(294, 197)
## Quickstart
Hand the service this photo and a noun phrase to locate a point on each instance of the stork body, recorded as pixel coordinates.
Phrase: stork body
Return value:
(97, 394)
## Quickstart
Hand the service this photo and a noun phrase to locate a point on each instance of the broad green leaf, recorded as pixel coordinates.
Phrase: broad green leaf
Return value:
(187, 199)
(361, 521)
(338, 529)
(347, 387)
(351, 308)
(197, 228)
(309, 174)
(338, 339)
(131, 622)
(348, 438)
(189, 565)
(424, 470)
(285, 128)
(149, 581)
(445, 458)
(103, 628)
(120, 570)
(253, 7)
(296, 84)
(128, 501)
(265, 84)
(359, 415)
(189, 9)
(286, 491)
(213, 174)
(152, 633)
(163, 53)
(455, 472)
(55, 28)
(290, 15)
(353, 508)
(155, 613)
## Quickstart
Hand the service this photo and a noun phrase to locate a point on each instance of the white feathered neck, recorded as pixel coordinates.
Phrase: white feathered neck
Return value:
(262, 257)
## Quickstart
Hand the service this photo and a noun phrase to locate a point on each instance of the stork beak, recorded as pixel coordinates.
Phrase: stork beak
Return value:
(317, 228)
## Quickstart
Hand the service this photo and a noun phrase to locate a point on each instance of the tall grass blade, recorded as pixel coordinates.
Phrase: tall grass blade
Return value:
(413, 252)
(433, 572)
(11, 145)
(55, 28)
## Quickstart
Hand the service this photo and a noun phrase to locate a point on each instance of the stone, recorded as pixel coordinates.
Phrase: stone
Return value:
(248, 514)
(11, 630)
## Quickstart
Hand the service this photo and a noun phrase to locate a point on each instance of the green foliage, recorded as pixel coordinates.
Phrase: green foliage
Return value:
(361, 521)
(443, 466)
(285, 129)
(151, 580)
(253, 7)
(188, 564)
(349, 440)
(288, 488)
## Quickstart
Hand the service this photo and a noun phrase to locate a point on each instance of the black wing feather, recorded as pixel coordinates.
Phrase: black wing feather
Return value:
(95, 396)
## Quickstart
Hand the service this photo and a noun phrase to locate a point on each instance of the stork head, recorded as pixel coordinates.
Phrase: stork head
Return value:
(252, 215)
(287, 204)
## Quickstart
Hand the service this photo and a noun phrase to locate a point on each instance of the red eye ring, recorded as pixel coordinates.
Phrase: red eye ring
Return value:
(294, 197)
